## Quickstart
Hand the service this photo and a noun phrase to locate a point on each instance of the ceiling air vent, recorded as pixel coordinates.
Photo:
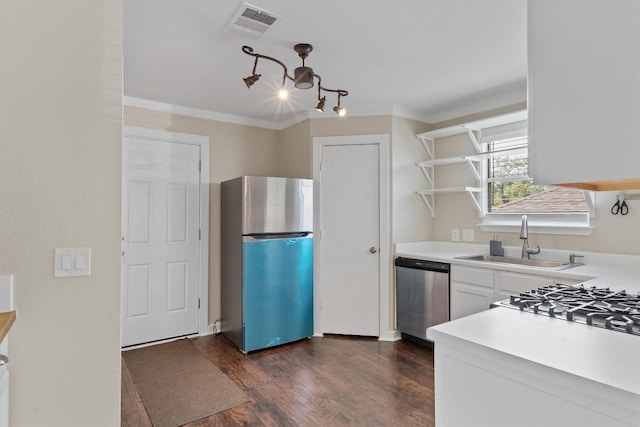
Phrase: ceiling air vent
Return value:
(251, 21)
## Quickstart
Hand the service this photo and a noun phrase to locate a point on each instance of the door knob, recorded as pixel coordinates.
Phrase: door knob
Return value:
(373, 249)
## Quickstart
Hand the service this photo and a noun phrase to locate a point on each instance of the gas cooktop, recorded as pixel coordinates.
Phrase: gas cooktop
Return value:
(600, 307)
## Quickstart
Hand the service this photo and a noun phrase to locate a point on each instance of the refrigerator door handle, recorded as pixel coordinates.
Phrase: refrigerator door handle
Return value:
(267, 236)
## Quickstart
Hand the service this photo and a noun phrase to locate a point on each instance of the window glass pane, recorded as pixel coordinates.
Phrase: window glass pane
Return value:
(523, 197)
(510, 159)
(503, 195)
(510, 190)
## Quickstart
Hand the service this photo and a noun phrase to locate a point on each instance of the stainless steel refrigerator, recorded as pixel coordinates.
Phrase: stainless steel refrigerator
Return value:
(266, 261)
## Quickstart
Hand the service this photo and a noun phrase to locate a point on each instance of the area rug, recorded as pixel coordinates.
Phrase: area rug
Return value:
(179, 384)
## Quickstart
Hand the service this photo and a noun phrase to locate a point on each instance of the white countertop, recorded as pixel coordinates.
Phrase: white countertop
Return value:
(607, 357)
(618, 272)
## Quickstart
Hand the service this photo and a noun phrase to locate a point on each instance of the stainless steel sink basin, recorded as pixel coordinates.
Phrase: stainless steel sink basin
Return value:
(540, 263)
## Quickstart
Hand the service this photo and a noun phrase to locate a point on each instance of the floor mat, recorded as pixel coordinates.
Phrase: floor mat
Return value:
(179, 384)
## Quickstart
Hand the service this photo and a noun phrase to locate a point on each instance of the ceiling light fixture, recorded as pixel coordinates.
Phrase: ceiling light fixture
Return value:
(302, 77)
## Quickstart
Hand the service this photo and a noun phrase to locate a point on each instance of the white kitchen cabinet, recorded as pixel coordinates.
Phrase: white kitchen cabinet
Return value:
(584, 93)
(491, 370)
(569, 282)
(508, 283)
(471, 290)
(468, 299)
(474, 289)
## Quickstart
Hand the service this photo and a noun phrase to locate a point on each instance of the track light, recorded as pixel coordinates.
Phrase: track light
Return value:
(302, 79)
(320, 106)
(251, 79)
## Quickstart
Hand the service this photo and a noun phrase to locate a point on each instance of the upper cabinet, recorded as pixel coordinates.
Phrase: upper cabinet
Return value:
(584, 93)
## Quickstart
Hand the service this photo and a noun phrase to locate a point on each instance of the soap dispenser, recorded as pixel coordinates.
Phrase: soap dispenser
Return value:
(495, 246)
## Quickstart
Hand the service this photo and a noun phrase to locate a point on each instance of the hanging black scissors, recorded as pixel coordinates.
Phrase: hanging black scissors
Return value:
(620, 208)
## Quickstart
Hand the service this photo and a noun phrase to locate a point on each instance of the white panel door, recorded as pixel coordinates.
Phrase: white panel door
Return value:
(161, 223)
(350, 239)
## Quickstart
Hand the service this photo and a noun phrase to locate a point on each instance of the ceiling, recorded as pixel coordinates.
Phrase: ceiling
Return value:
(426, 59)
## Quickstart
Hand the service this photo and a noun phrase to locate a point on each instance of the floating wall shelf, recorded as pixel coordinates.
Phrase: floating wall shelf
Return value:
(473, 130)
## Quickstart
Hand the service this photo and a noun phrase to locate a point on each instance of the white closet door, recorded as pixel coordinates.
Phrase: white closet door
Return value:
(161, 201)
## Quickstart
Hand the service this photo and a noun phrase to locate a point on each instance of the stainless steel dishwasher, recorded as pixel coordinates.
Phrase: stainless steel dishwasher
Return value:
(422, 296)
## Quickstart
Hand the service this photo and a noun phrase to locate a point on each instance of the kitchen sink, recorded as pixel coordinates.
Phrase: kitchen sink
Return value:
(540, 263)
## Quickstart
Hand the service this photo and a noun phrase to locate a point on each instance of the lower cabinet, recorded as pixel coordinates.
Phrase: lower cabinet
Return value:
(474, 289)
(467, 299)
(508, 283)
(471, 290)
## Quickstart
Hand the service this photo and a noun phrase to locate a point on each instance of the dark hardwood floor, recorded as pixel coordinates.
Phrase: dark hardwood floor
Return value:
(328, 381)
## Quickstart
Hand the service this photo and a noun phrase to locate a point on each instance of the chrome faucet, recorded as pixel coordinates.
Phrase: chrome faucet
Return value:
(524, 235)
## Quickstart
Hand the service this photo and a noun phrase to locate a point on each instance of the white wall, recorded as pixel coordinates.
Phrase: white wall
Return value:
(411, 221)
(60, 130)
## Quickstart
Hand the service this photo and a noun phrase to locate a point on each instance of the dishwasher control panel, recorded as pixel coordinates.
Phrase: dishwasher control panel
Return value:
(422, 264)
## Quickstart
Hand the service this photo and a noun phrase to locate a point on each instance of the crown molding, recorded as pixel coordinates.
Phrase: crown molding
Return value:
(198, 113)
(393, 110)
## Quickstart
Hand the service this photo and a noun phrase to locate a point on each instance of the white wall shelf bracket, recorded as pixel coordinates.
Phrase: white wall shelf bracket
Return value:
(427, 198)
(428, 145)
(474, 140)
(427, 171)
(475, 165)
(475, 197)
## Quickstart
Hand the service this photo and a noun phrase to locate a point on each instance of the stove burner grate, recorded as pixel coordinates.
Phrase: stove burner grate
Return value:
(600, 307)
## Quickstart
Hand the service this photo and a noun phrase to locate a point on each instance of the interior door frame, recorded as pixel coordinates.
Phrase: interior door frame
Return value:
(382, 140)
(203, 142)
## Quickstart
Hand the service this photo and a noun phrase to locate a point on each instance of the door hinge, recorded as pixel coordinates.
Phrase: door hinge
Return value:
(200, 165)
(198, 303)
(199, 234)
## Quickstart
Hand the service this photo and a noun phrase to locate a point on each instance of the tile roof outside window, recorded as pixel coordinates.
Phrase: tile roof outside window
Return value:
(551, 200)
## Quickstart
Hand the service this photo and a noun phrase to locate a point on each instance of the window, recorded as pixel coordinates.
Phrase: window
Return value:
(509, 193)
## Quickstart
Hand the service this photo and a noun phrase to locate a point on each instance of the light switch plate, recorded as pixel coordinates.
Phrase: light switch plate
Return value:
(72, 262)
(455, 234)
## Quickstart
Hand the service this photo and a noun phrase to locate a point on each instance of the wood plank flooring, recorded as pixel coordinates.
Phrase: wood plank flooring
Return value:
(330, 381)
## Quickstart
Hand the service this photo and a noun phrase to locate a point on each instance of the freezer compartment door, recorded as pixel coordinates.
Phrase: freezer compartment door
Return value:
(277, 291)
(277, 205)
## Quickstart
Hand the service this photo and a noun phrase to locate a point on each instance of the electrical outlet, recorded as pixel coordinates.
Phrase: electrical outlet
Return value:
(455, 234)
(468, 235)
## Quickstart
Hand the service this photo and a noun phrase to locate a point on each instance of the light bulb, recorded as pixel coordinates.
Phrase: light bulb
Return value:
(283, 93)
(340, 111)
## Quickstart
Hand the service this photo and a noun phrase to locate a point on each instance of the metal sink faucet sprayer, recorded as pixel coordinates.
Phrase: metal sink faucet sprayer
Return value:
(524, 235)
